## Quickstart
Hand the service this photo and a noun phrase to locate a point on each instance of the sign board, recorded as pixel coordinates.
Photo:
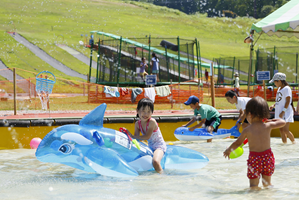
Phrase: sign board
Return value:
(263, 75)
(150, 80)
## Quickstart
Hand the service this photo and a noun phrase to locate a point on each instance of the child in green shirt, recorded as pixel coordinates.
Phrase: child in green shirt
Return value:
(210, 117)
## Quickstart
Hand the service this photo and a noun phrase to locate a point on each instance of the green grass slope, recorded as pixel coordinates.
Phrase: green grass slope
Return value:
(46, 22)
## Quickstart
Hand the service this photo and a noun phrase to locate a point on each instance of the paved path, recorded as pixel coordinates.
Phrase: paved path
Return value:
(21, 82)
(47, 58)
(7, 73)
(80, 56)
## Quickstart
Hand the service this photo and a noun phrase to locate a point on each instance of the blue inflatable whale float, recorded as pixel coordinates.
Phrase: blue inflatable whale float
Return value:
(183, 133)
(91, 147)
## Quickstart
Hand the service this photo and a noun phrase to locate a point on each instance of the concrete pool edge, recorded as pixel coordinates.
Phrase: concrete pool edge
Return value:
(107, 120)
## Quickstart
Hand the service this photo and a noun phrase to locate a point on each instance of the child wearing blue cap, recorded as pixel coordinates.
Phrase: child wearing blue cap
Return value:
(210, 117)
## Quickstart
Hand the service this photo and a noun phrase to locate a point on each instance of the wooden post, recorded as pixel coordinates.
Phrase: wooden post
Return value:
(97, 92)
(265, 92)
(84, 89)
(179, 92)
(88, 91)
(212, 86)
(14, 92)
(29, 88)
(48, 99)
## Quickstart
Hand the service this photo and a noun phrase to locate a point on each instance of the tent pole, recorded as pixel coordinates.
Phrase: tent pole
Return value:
(296, 67)
(249, 70)
(250, 62)
(196, 44)
(212, 86)
(233, 69)
(90, 64)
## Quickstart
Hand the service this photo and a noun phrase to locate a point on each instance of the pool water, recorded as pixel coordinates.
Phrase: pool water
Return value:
(22, 176)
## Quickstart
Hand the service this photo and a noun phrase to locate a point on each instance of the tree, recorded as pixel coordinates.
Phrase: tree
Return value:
(266, 10)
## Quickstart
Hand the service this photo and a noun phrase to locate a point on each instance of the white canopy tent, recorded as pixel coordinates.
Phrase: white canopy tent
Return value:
(283, 22)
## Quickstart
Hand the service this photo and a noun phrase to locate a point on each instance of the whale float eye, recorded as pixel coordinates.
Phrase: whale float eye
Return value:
(66, 148)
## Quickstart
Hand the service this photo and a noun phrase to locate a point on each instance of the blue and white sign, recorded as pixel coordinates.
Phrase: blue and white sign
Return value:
(263, 75)
(150, 80)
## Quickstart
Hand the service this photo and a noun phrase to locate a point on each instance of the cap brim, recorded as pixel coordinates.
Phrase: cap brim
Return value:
(271, 81)
(187, 103)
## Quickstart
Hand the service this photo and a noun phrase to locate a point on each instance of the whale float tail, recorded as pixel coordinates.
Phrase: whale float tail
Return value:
(234, 131)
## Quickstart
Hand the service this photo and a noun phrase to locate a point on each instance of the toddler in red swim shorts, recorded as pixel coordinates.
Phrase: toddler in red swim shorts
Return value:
(261, 161)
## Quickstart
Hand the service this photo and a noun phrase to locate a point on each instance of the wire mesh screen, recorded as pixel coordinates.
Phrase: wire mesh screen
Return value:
(225, 70)
(119, 59)
(277, 59)
(282, 59)
(229, 66)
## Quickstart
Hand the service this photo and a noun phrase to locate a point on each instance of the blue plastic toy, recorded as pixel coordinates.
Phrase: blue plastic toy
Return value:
(183, 133)
(91, 147)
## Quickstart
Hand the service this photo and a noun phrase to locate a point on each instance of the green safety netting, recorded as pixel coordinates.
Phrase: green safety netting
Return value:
(153, 49)
(283, 22)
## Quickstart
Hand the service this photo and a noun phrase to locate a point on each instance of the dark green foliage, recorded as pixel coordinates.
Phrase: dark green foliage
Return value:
(266, 10)
(252, 8)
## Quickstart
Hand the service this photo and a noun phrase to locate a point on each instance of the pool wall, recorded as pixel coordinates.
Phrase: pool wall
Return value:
(18, 133)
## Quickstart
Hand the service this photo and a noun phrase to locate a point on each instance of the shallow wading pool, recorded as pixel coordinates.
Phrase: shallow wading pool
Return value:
(22, 176)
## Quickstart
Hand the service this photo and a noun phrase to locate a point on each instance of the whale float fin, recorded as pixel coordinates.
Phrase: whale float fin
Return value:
(95, 117)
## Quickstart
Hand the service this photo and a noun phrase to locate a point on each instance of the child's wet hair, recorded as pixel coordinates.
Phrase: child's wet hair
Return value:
(144, 103)
(258, 107)
(231, 94)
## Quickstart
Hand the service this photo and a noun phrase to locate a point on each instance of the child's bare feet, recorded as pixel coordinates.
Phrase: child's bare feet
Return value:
(255, 188)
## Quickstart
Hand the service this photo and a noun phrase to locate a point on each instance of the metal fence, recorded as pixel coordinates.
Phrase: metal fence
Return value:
(282, 59)
(231, 65)
(276, 59)
(19, 94)
(118, 59)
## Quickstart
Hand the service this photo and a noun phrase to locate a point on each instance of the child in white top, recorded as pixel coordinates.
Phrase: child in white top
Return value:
(150, 131)
(240, 103)
(283, 108)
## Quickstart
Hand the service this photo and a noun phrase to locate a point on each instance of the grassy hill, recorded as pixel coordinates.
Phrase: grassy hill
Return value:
(46, 22)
